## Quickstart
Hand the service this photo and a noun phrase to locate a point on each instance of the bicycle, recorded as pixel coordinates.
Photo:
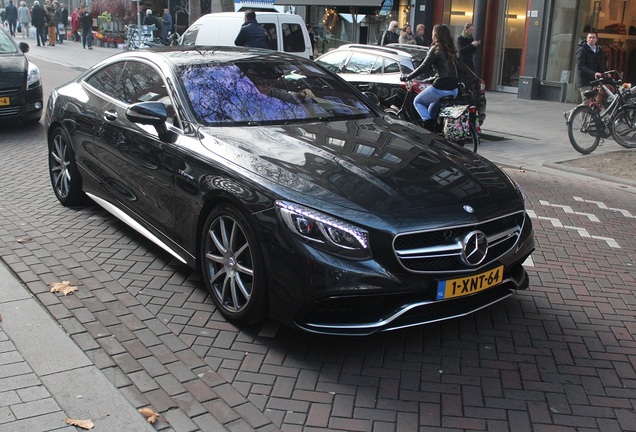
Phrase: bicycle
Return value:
(404, 109)
(136, 41)
(604, 113)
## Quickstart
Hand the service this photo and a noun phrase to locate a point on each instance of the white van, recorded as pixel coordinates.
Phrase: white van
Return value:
(286, 32)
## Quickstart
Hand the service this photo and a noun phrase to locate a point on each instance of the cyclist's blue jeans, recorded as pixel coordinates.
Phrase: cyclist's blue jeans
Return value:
(427, 102)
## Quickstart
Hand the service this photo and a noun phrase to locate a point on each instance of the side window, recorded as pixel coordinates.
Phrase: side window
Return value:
(293, 38)
(361, 63)
(108, 80)
(334, 60)
(391, 66)
(190, 35)
(142, 83)
(272, 36)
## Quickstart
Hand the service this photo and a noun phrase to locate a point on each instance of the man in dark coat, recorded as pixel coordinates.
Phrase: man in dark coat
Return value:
(251, 33)
(12, 17)
(38, 19)
(86, 23)
(589, 65)
(467, 45)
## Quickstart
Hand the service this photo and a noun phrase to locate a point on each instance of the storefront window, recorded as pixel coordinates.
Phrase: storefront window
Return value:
(562, 38)
(461, 12)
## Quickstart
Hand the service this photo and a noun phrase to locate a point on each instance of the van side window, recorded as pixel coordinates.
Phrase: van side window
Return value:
(293, 38)
(272, 37)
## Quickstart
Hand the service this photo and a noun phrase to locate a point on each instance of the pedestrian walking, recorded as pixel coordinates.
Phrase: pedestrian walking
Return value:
(38, 19)
(589, 64)
(167, 25)
(62, 13)
(75, 24)
(406, 36)
(467, 45)
(12, 17)
(251, 33)
(24, 19)
(86, 23)
(421, 38)
(390, 35)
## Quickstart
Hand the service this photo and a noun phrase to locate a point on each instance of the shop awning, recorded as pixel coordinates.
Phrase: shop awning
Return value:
(340, 3)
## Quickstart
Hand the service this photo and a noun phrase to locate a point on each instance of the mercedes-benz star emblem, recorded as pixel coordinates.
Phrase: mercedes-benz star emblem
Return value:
(474, 248)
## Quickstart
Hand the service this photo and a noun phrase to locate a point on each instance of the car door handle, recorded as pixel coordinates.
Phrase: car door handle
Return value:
(110, 115)
(364, 86)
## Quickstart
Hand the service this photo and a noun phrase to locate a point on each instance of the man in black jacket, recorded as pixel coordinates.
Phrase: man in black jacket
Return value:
(251, 33)
(12, 17)
(588, 63)
(467, 45)
(38, 19)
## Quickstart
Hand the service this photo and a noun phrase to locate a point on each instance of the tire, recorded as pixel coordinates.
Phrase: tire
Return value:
(624, 126)
(474, 135)
(584, 129)
(232, 266)
(65, 177)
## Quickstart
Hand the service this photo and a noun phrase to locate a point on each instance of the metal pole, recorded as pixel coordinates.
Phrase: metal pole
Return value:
(138, 23)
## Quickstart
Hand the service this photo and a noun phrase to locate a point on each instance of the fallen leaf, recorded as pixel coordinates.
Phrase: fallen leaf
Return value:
(84, 424)
(150, 415)
(24, 240)
(64, 287)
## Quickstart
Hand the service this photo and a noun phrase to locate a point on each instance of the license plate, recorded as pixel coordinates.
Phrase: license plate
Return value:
(469, 285)
(5, 101)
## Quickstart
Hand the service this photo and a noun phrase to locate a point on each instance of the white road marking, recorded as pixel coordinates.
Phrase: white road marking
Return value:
(581, 231)
(569, 210)
(602, 206)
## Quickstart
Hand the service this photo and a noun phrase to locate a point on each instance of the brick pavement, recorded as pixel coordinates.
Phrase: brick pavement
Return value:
(558, 357)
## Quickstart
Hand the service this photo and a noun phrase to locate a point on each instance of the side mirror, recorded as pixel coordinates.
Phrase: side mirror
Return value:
(150, 113)
(24, 47)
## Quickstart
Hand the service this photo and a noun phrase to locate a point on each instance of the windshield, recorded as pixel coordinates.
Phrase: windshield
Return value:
(6, 44)
(270, 91)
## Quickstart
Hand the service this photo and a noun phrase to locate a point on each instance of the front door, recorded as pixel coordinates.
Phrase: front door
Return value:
(512, 21)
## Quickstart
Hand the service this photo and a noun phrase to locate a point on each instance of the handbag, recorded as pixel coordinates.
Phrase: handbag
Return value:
(19, 29)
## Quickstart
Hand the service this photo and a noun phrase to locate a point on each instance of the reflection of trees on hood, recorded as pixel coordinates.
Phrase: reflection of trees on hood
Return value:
(223, 94)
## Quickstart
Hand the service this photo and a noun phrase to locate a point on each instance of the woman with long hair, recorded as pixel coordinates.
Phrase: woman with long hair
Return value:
(441, 58)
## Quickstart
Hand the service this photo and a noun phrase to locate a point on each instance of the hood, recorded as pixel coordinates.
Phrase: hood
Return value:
(13, 68)
(377, 165)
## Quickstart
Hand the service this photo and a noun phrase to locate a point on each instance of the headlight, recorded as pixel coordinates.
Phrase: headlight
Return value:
(33, 76)
(325, 232)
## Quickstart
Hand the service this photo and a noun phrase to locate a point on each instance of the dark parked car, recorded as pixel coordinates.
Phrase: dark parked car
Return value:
(292, 192)
(20, 82)
(377, 69)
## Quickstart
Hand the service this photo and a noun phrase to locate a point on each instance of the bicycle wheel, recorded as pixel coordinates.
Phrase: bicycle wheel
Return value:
(474, 135)
(584, 129)
(624, 126)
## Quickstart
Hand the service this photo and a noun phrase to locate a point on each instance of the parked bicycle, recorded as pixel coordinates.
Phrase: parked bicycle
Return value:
(135, 40)
(608, 110)
(459, 114)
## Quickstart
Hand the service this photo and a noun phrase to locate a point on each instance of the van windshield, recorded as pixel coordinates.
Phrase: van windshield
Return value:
(267, 92)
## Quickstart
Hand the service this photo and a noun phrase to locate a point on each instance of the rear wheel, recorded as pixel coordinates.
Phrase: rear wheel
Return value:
(624, 126)
(584, 129)
(474, 134)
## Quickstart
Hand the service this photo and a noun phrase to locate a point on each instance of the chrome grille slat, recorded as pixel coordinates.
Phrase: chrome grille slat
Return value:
(437, 252)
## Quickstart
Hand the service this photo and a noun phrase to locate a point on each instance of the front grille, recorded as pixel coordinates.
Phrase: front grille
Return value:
(10, 111)
(9, 91)
(440, 251)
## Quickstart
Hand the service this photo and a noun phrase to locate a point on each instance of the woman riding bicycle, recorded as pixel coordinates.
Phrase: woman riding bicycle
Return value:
(441, 58)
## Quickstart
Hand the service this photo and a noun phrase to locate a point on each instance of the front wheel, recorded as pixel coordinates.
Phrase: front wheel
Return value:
(624, 126)
(65, 177)
(232, 265)
(584, 129)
